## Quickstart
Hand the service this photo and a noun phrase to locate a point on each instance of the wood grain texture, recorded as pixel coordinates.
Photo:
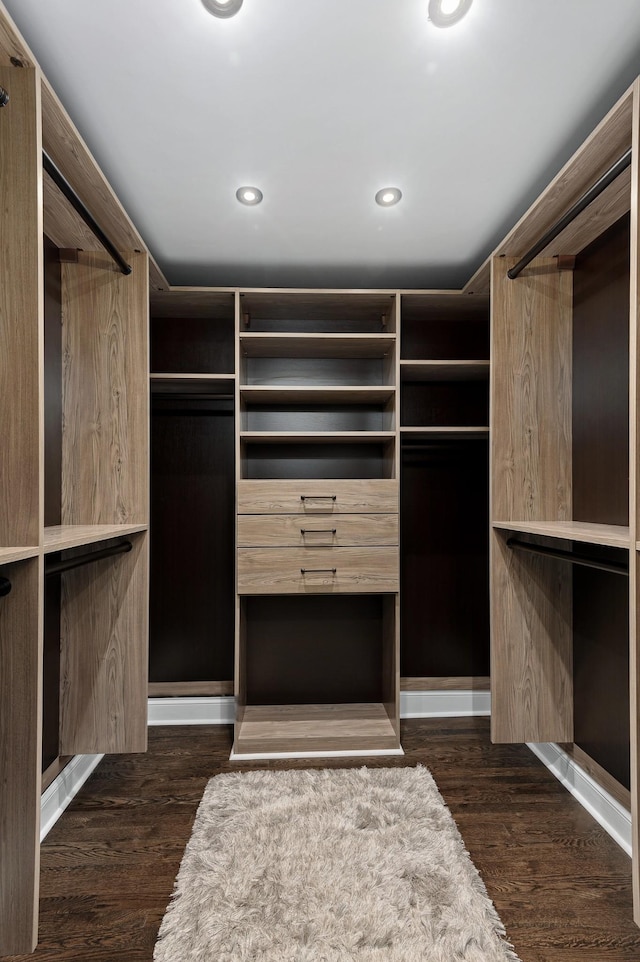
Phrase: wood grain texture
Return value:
(444, 370)
(193, 302)
(20, 750)
(390, 668)
(316, 437)
(634, 499)
(279, 530)
(531, 393)
(104, 654)
(286, 497)
(279, 570)
(531, 647)
(59, 537)
(189, 689)
(105, 463)
(311, 305)
(616, 536)
(21, 311)
(7, 555)
(316, 345)
(461, 683)
(314, 728)
(324, 395)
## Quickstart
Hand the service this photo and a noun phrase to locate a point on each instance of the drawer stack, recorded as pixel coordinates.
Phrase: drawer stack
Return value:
(317, 661)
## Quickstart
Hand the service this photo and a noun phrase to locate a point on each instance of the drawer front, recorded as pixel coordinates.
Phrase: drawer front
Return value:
(280, 530)
(317, 570)
(318, 497)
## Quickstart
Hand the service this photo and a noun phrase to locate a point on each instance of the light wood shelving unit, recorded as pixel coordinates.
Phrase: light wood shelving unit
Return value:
(90, 468)
(565, 449)
(317, 456)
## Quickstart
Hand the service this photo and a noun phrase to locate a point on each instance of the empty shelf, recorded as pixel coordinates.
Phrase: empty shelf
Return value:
(613, 535)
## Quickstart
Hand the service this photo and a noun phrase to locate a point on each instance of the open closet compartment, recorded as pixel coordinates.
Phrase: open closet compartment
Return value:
(192, 604)
(317, 525)
(73, 325)
(564, 453)
(444, 428)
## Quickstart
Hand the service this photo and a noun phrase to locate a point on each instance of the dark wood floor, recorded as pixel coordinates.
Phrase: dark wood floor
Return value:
(560, 884)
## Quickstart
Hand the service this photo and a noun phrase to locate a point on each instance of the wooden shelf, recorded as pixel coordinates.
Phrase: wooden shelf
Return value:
(302, 729)
(209, 384)
(444, 370)
(612, 535)
(7, 555)
(64, 536)
(317, 345)
(193, 377)
(317, 437)
(317, 395)
(445, 432)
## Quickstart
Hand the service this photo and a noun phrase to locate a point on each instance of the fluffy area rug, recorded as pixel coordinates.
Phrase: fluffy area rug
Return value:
(328, 866)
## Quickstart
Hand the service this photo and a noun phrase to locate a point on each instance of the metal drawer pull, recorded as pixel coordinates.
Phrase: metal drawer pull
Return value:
(318, 497)
(306, 571)
(318, 530)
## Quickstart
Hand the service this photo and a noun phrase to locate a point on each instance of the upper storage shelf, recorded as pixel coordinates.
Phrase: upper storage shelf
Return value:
(319, 312)
(316, 345)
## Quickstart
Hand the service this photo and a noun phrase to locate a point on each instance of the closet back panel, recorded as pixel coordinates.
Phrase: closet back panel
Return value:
(51, 670)
(444, 568)
(192, 544)
(444, 403)
(294, 644)
(601, 379)
(193, 345)
(307, 461)
(601, 668)
(52, 385)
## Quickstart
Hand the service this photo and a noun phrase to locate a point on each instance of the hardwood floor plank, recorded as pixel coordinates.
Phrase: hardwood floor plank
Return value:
(560, 884)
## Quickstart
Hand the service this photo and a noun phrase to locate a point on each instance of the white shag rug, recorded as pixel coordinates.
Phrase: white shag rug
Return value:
(328, 866)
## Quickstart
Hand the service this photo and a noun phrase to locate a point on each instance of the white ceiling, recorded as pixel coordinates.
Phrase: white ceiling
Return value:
(320, 103)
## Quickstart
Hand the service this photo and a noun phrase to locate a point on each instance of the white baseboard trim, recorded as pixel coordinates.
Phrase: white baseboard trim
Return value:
(336, 753)
(444, 704)
(64, 788)
(607, 811)
(219, 710)
(192, 710)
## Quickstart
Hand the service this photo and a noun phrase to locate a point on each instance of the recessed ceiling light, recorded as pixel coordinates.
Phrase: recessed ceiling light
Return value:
(249, 196)
(223, 8)
(444, 13)
(388, 196)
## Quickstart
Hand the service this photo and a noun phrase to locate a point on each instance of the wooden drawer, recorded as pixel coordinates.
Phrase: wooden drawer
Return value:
(318, 497)
(279, 530)
(321, 570)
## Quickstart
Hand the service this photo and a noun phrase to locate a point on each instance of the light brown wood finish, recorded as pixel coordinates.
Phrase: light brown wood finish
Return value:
(105, 466)
(616, 536)
(317, 395)
(634, 503)
(465, 683)
(444, 370)
(316, 345)
(73, 535)
(317, 437)
(319, 305)
(21, 310)
(599, 774)
(104, 650)
(7, 555)
(193, 302)
(314, 728)
(279, 530)
(317, 497)
(20, 753)
(313, 570)
(192, 689)
(531, 393)
(532, 647)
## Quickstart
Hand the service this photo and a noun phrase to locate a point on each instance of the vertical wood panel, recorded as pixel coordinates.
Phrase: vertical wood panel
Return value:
(105, 466)
(531, 651)
(21, 309)
(634, 495)
(531, 392)
(104, 652)
(20, 749)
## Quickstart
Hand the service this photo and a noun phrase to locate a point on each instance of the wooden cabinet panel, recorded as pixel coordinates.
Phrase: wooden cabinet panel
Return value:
(377, 496)
(327, 570)
(280, 530)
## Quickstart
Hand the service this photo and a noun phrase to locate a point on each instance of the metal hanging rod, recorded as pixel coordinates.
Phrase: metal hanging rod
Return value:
(57, 567)
(616, 567)
(65, 187)
(5, 587)
(580, 205)
(4, 97)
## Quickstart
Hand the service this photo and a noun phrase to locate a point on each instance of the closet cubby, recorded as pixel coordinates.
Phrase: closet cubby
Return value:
(192, 612)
